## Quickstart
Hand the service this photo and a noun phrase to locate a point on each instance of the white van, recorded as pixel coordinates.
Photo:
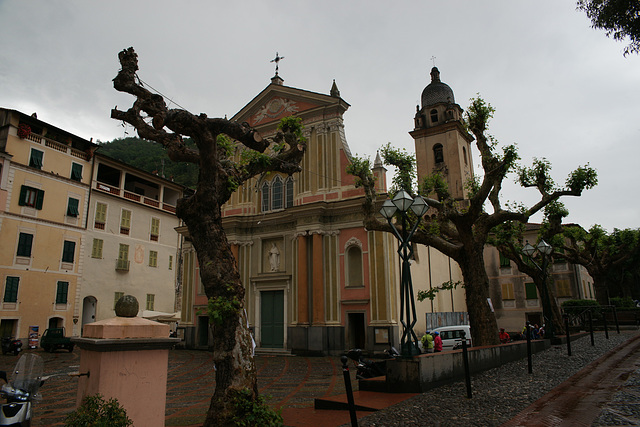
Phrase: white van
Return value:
(452, 335)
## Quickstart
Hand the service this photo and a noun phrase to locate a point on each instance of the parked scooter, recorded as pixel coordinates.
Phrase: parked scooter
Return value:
(367, 368)
(21, 390)
(10, 345)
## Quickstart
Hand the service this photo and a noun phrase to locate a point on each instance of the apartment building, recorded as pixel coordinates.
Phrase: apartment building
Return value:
(46, 175)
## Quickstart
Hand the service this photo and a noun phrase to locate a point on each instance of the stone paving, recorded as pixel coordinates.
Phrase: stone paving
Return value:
(287, 382)
(291, 384)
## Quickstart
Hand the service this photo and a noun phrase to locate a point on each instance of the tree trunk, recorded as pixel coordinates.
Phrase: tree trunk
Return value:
(477, 297)
(600, 287)
(232, 342)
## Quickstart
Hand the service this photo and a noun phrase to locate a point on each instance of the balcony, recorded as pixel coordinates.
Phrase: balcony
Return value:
(122, 265)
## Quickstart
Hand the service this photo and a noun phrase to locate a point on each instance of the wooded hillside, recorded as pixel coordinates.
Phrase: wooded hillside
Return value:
(150, 157)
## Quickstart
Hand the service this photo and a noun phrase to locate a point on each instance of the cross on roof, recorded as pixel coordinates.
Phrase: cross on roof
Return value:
(277, 60)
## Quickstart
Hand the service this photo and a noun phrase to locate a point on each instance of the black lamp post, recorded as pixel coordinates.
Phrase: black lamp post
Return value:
(401, 204)
(545, 250)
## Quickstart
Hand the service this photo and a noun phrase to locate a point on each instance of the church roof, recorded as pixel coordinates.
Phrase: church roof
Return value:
(437, 92)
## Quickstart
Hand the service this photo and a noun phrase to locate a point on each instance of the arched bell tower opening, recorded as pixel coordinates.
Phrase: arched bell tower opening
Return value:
(442, 143)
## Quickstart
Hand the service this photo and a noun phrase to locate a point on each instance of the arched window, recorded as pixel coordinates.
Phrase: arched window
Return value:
(438, 153)
(265, 197)
(354, 266)
(288, 186)
(434, 115)
(276, 193)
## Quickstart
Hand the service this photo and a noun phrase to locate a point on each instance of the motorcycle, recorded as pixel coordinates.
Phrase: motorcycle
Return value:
(10, 345)
(367, 368)
(21, 390)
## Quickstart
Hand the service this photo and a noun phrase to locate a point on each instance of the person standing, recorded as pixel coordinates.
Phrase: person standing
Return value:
(437, 342)
(427, 342)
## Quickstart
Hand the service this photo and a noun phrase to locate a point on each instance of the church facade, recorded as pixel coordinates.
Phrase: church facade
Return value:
(317, 281)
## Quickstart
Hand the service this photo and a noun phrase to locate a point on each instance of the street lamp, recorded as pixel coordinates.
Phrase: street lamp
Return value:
(401, 204)
(545, 250)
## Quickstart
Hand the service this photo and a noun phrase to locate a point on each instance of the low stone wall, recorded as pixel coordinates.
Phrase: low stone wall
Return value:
(427, 371)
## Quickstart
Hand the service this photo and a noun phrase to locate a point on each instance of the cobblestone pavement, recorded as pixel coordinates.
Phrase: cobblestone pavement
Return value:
(287, 382)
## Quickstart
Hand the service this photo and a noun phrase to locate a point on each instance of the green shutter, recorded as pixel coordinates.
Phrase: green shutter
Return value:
(531, 291)
(504, 261)
(25, 241)
(23, 195)
(101, 212)
(125, 221)
(68, 251)
(72, 207)
(11, 289)
(76, 172)
(96, 251)
(36, 158)
(39, 199)
(62, 292)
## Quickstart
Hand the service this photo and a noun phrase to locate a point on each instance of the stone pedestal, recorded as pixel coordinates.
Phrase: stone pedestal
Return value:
(127, 358)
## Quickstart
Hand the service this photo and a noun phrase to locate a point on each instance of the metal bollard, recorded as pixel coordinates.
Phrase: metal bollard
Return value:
(566, 326)
(465, 358)
(528, 334)
(347, 386)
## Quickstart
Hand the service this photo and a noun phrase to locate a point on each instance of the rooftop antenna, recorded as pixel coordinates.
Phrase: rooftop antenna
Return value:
(277, 60)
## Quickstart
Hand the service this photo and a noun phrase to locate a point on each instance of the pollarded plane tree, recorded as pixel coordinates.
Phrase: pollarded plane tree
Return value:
(508, 238)
(223, 166)
(601, 253)
(459, 229)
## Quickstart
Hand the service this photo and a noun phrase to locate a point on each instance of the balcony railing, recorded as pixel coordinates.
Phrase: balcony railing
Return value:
(135, 197)
(122, 265)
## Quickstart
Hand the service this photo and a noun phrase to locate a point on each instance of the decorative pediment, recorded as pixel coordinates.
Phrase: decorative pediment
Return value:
(277, 101)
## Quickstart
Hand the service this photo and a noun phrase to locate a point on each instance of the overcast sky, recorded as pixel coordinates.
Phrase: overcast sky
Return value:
(561, 89)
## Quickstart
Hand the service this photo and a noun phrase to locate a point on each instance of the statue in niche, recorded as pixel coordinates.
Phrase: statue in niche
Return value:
(274, 257)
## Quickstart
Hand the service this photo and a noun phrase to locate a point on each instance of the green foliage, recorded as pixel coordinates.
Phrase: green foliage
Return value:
(226, 144)
(221, 307)
(149, 156)
(620, 19)
(255, 157)
(622, 302)
(359, 166)
(405, 163)
(95, 411)
(574, 307)
(583, 178)
(294, 125)
(431, 293)
(478, 114)
(436, 183)
(537, 175)
(251, 412)
(472, 186)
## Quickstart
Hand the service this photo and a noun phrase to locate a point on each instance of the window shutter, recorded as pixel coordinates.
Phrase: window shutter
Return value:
(62, 292)
(76, 172)
(39, 199)
(68, 251)
(72, 207)
(23, 195)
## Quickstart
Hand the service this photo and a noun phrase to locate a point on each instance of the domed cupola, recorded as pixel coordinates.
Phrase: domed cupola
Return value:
(437, 92)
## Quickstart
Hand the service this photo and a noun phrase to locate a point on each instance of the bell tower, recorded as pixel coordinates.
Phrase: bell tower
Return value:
(442, 143)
